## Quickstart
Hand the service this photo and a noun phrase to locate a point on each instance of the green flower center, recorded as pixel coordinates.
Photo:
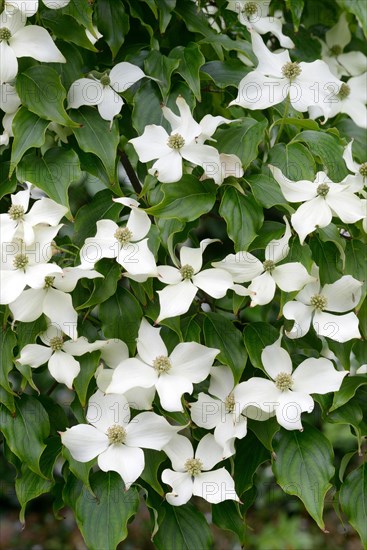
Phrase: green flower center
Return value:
(250, 8)
(20, 261)
(56, 343)
(162, 364)
(230, 403)
(176, 141)
(323, 189)
(5, 34)
(116, 434)
(268, 265)
(123, 235)
(318, 301)
(105, 80)
(283, 381)
(363, 170)
(49, 281)
(344, 91)
(16, 212)
(336, 50)
(291, 70)
(193, 466)
(187, 271)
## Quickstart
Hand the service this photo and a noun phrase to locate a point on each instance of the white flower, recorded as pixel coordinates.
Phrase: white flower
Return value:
(17, 40)
(104, 92)
(93, 38)
(172, 375)
(351, 100)
(23, 265)
(9, 99)
(313, 304)
(288, 393)
(322, 200)
(276, 77)
(255, 15)
(184, 282)
(359, 170)
(182, 143)
(266, 276)
(59, 355)
(191, 475)
(17, 223)
(7, 126)
(53, 300)
(336, 38)
(221, 411)
(127, 244)
(114, 439)
(30, 7)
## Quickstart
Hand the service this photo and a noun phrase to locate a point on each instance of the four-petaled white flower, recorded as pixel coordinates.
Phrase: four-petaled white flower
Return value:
(255, 15)
(171, 149)
(114, 439)
(23, 265)
(191, 473)
(30, 7)
(313, 304)
(17, 223)
(59, 354)
(336, 38)
(288, 393)
(127, 244)
(53, 299)
(184, 282)
(104, 92)
(266, 276)
(277, 77)
(18, 40)
(322, 200)
(172, 375)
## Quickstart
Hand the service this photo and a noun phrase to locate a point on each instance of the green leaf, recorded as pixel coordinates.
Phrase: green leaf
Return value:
(190, 60)
(8, 342)
(358, 8)
(41, 91)
(257, 336)
(82, 12)
(327, 256)
(29, 131)
(8, 183)
(161, 68)
(153, 460)
(120, 316)
(147, 106)
(250, 453)
(187, 199)
(53, 173)
(81, 470)
(353, 498)
(266, 189)
(103, 520)
(97, 136)
(26, 431)
(264, 431)
(296, 8)
(355, 259)
(88, 366)
(225, 73)
(242, 140)
(294, 160)
(222, 334)
(67, 28)
(226, 515)
(328, 150)
(108, 12)
(29, 486)
(347, 390)
(106, 287)
(165, 8)
(243, 216)
(304, 466)
(298, 122)
(182, 528)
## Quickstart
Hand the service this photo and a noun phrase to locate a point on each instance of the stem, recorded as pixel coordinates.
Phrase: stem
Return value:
(54, 386)
(130, 172)
(286, 110)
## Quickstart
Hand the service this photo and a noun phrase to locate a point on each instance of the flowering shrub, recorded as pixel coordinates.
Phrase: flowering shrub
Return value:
(183, 236)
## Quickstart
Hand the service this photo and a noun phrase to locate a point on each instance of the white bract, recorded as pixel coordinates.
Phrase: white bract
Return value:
(30, 7)
(277, 77)
(184, 282)
(20, 224)
(58, 354)
(127, 244)
(104, 92)
(53, 300)
(341, 64)
(255, 15)
(18, 40)
(322, 200)
(314, 303)
(191, 473)
(172, 375)
(171, 149)
(115, 440)
(359, 170)
(288, 393)
(266, 276)
(9, 99)
(23, 265)
(350, 100)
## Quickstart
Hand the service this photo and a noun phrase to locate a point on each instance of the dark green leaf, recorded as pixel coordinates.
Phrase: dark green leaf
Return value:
(257, 336)
(296, 8)
(108, 12)
(347, 390)
(88, 366)
(250, 453)
(353, 497)
(29, 486)
(161, 68)
(294, 160)
(242, 140)
(225, 73)
(29, 131)
(266, 190)
(190, 60)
